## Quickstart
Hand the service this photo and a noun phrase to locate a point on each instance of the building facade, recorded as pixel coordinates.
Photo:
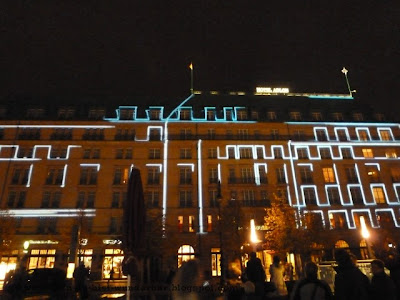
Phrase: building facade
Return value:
(213, 157)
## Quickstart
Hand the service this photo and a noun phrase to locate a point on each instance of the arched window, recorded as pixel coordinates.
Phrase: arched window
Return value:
(341, 244)
(185, 253)
(364, 249)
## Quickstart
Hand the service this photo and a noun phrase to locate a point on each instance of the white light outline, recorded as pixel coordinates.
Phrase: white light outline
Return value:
(395, 185)
(28, 183)
(358, 129)
(321, 128)
(200, 186)
(257, 172)
(378, 166)
(57, 126)
(381, 185)
(50, 213)
(86, 165)
(186, 165)
(155, 165)
(334, 211)
(298, 204)
(317, 211)
(325, 147)
(64, 176)
(310, 165)
(379, 129)
(313, 186)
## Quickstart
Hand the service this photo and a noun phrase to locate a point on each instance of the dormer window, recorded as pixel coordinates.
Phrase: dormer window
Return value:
(35, 113)
(126, 114)
(271, 115)
(316, 116)
(65, 113)
(295, 115)
(210, 115)
(185, 114)
(358, 117)
(96, 114)
(337, 116)
(155, 114)
(241, 115)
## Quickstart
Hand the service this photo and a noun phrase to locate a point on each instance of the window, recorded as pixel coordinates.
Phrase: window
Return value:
(274, 134)
(321, 135)
(342, 135)
(356, 195)
(25, 152)
(215, 262)
(337, 221)
(153, 175)
(155, 134)
(16, 199)
(191, 224)
(280, 175)
(302, 153)
(29, 134)
(113, 261)
(247, 175)
(186, 134)
(379, 117)
(379, 195)
(351, 174)
(390, 153)
(153, 198)
(61, 134)
(260, 153)
(337, 116)
(295, 115)
(180, 223)
(213, 175)
(20, 176)
(185, 253)
(46, 226)
(254, 115)
(232, 175)
(329, 176)
(346, 153)
(395, 173)
(86, 199)
(155, 114)
(210, 115)
(42, 258)
(367, 153)
(363, 135)
(249, 198)
(241, 115)
(154, 153)
(243, 134)
(298, 135)
(35, 113)
(91, 153)
(185, 114)
(212, 152)
(185, 175)
(246, 153)
(121, 176)
(231, 152)
(93, 134)
(209, 223)
(118, 198)
(212, 194)
(373, 174)
(185, 153)
(305, 175)
(271, 115)
(358, 117)
(65, 113)
(316, 116)
(55, 176)
(124, 153)
(126, 114)
(185, 199)
(277, 152)
(125, 135)
(96, 114)
(262, 174)
(309, 196)
(333, 195)
(51, 199)
(385, 135)
(325, 153)
(58, 153)
(211, 133)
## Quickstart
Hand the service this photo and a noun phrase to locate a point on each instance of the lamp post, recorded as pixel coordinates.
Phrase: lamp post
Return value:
(221, 260)
(366, 235)
(253, 235)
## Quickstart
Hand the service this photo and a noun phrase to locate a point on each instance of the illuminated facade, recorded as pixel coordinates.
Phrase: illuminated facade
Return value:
(64, 172)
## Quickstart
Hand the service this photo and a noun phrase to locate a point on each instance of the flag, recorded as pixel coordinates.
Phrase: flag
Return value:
(191, 66)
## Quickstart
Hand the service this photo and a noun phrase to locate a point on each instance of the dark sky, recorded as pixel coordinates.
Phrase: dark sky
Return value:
(127, 48)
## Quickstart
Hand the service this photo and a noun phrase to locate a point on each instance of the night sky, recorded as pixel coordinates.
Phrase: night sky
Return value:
(127, 48)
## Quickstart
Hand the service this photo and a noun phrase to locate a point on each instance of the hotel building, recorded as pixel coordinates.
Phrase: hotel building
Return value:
(64, 169)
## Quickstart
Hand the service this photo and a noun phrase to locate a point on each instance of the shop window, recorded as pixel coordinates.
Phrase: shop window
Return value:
(85, 255)
(185, 253)
(341, 244)
(112, 264)
(42, 258)
(215, 262)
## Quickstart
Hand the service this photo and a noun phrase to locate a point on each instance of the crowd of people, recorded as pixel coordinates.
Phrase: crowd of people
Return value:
(350, 282)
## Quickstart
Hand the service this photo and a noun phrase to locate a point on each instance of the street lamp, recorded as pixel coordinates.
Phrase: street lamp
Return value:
(253, 235)
(221, 260)
(366, 235)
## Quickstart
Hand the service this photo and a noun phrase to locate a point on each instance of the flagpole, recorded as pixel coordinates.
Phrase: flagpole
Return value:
(191, 78)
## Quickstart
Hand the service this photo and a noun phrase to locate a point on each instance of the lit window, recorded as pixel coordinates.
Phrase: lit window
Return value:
(180, 223)
(391, 153)
(215, 261)
(363, 135)
(373, 174)
(367, 153)
(42, 258)
(112, 264)
(385, 135)
(209, 223)
(191, 224)
(379, 195)
(329, 176)
(341, 244)
(185, 253)
(121, 176)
